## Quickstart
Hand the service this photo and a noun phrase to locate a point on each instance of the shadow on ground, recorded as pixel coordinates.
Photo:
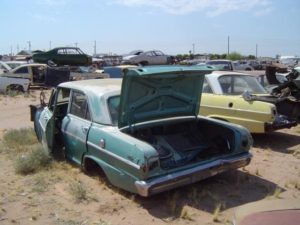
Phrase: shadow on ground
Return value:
(277, 141)
(230, 189)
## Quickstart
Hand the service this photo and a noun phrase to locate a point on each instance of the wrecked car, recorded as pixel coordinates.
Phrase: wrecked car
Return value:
(239, 98)
(143, 131)
(284, 90)
(35, 72)
(63, 56)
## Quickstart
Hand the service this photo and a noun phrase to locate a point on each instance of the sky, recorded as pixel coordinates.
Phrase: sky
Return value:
(173, 26)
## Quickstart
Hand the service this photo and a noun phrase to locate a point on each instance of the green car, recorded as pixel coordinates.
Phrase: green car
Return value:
(143, 132)
(63, 56)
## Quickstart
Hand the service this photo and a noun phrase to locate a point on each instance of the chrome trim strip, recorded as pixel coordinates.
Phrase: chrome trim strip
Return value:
(240, 110)
(129, 163)
(180, 178)
(73, 136)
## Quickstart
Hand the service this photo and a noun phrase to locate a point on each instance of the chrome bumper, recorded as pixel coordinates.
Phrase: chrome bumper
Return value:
(192, 175)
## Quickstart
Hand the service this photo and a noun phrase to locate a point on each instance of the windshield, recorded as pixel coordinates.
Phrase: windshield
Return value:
(237, 84)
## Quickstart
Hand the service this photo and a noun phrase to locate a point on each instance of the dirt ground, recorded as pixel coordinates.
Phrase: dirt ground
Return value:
(45, 197)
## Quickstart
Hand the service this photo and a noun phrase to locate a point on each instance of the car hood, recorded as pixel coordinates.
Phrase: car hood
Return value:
(150, 93)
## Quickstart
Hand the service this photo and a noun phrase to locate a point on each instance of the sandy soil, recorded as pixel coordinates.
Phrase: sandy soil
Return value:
(44, 197)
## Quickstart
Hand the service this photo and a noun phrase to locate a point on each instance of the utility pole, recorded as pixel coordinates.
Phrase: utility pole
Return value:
(17, 48)
(75, 44)
(29, 45)
(193, 49)
(95, 47)
(228, 44)
(256, 51)
(11, 50)
(50, 45)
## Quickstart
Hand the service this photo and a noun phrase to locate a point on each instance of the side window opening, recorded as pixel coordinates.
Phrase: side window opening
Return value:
(206, 87)
(79, 105)
(113, 106)
(22, 70)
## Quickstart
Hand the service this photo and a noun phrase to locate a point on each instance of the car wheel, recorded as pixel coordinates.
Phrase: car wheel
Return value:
(14, 88)
(51, 62)
(144, 63)
(248, 69)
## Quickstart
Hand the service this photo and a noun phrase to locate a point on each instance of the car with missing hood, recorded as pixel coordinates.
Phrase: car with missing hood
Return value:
(143, 131)
(239, 98)
(154, 57)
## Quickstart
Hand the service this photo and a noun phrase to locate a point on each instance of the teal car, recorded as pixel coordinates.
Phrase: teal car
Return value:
(143, 132)
(63, 56)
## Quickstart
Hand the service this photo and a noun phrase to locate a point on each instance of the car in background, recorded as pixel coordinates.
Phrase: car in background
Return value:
(154, 57)
(142, 131)
(117, 71)
(35, 72)
(242, 65)
(63, 56)
(239, 98)
(221, 64)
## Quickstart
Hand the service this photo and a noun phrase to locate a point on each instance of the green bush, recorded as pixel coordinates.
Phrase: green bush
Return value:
(32, 162)
(19, 138)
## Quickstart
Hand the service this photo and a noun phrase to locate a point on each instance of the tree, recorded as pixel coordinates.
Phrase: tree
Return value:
(251, 57)
(234, 56)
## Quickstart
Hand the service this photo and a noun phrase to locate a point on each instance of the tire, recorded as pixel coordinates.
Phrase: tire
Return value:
(15, 88)
(51, 63)
(144, 63)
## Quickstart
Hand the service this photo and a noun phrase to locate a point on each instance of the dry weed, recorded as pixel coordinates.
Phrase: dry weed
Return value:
(78, 190)
(32, 162)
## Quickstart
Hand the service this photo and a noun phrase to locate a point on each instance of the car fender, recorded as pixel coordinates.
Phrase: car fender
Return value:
(115, 176)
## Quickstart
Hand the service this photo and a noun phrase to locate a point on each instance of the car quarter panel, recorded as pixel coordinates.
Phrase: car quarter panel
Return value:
(251, 114)
(119, 155)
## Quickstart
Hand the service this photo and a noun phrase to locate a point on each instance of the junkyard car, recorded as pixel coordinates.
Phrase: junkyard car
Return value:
(239, 98)
(35, 72)
(154, 57)
(63, 56)
(142, 131)
(13, 84)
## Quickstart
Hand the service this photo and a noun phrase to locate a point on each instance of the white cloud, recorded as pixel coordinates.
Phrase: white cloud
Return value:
(53, 2)
(210, 7)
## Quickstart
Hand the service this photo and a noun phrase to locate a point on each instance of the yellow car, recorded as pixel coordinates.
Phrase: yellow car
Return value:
(228, 95)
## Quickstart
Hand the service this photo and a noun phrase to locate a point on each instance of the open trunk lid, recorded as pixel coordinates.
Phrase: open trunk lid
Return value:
(150, 93)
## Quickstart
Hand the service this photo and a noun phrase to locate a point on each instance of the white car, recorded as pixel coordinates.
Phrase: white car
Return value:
(154, 57)
(35, 72)
(13, 84)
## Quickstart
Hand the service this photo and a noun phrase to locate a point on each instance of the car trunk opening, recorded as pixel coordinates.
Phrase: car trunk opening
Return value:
(184, 142)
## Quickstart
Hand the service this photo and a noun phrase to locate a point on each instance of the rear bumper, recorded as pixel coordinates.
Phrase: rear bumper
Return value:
(281, 122)
(192, 175)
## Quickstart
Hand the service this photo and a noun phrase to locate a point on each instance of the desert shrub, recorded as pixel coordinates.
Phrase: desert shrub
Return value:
(17, 139)
(32, 162)
(78, 191)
